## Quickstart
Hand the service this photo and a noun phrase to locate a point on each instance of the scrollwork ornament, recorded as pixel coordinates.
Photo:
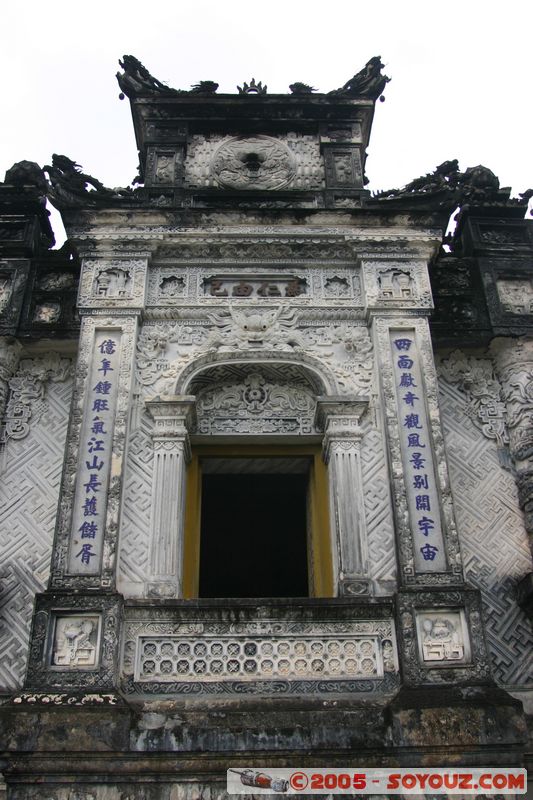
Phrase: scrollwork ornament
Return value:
(27, 391)
(476, 377)
(514, 362)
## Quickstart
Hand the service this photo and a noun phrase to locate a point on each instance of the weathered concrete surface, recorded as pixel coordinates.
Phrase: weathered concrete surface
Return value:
(464, 725)
(160, 752)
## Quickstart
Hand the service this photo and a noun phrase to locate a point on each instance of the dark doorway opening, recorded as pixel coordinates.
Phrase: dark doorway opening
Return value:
(254, 534)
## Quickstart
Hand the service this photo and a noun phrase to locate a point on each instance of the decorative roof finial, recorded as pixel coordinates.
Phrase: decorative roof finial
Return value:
(301, 88)
(252, 88)
(368, 82)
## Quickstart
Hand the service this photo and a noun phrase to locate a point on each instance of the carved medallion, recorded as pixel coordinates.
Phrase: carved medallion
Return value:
(254, 162)
(442, 636)
(76, 641)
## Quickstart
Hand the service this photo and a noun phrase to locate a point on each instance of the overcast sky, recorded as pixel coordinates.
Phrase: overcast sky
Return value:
(461, 74)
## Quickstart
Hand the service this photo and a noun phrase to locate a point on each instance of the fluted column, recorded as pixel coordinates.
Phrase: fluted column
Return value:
(340, 419)
(171, 417)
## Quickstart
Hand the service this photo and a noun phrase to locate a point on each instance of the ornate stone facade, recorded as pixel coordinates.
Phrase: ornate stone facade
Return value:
(280, 519)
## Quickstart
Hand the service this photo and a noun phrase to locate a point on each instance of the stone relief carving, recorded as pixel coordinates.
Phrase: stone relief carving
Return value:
(44, 671)
(109, 283)
(257, 405)
(476, 377)
(27, 390)
(165, 168)
(516, 296)
(249, 246)
(47, 313)
(165, 349)
(113, 283)
(75, 641)
(502, 235)
(344, 168)
(251, 329)
(303, 286)
(348, 350)
(5, 290)
(255, 162)
(449, 623)
(514, 365)
(66, 699)
(514, 361)
(56, 280)
(397, 283)
(337, 286)
(441, 636)
(172, 286)
(9, 357)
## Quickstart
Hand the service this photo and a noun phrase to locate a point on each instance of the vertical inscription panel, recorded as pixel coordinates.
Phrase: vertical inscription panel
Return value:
(417, 458)
(94, 465)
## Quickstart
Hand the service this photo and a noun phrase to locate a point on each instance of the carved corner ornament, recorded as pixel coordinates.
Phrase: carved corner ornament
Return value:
(27, 389)
(486, 408)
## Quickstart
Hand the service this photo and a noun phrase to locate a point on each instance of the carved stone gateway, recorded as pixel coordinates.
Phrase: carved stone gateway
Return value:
(274, 542)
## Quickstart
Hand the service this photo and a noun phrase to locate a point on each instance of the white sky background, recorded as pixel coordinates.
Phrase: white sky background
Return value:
(461, 74)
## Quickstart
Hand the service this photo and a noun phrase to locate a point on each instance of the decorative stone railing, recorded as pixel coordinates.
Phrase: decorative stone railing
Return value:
(232, 646)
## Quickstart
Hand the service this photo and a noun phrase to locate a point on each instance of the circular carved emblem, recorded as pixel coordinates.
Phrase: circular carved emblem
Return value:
(253, 162)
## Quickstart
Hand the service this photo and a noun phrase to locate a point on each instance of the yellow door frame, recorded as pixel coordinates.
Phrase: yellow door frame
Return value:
(321, 582)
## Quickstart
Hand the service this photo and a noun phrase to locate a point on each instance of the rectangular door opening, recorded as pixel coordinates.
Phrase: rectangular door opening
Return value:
(254, 527)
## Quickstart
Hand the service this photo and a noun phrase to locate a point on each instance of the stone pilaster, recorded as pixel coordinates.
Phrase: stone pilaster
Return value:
(91, 489)
(111, 297)
(428, 544)
(171, 417)
(340, 419)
